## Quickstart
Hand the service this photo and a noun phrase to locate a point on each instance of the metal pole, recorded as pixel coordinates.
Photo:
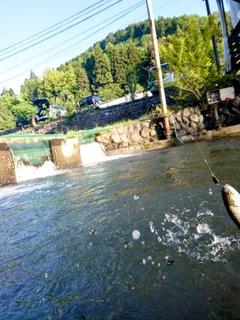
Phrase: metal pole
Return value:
(158, 68)
(214, 41)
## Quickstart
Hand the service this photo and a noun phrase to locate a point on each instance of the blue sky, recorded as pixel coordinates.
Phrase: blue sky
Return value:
(21, 19)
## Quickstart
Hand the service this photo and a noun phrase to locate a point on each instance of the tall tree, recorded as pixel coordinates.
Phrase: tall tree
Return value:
(82, 81)
(102, 70)
(121, 62)
(30, 86)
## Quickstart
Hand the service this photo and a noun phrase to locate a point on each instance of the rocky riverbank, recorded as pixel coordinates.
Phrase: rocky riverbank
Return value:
(149, 133)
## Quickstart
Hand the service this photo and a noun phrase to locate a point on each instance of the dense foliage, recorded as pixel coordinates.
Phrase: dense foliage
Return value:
(120, 64)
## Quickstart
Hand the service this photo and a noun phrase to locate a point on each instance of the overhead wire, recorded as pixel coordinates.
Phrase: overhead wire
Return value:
(13, 54)
(132, 9)
(37, 34)
(123, 13)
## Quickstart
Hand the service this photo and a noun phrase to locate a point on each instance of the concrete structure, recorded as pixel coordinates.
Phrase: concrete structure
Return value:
(65, 153)
(7, 170)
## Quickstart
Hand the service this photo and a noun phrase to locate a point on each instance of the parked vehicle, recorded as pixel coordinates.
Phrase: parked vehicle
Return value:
(56, 112)
(91, 100)
(47, 111)
(21, 123)
(44, 111)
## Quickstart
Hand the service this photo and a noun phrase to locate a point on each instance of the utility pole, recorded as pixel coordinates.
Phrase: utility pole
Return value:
(214, 42)
(158, 69)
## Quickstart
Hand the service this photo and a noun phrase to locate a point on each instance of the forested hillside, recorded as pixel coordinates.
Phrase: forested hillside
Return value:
(119, 64)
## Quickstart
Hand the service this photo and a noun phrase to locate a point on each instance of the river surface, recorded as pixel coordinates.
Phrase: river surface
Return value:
(139, 237)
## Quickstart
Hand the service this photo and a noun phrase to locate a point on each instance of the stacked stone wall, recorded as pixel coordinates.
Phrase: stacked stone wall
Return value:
(182, 122)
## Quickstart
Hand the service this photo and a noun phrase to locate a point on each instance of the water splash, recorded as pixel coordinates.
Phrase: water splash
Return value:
(27, 172)
(191, 237)
(203, 228)
(204, 212)
(136, 234)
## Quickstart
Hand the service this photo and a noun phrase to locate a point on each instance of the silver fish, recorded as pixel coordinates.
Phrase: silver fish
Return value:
(231, 199)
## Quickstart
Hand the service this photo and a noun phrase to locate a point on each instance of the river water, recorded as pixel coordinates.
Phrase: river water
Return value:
(139, 237)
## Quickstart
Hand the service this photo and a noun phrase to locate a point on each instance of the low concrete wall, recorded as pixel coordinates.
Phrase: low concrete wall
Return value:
(65, 153)
(7, 170)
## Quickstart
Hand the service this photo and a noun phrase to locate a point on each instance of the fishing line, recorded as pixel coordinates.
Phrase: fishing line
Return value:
(215, 179)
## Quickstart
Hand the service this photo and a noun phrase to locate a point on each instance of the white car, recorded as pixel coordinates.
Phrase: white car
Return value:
(56, 112)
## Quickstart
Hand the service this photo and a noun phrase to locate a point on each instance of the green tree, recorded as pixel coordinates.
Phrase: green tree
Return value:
(55, 81)
(82, 81)
(6, 116)
(110, 51)
(8, 91)
(121, 61)
(88, 64)
(23, 109)
(190, 55)
(102, 71)
(133, 67)
(111, 92)
(30, 86)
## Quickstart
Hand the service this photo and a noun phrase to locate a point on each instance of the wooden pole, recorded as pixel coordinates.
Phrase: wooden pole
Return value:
(158, 69)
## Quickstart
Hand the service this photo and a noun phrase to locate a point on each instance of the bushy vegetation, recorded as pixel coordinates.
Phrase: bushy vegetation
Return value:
(120, 64)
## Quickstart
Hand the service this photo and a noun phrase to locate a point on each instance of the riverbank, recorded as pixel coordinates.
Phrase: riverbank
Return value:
(203, 135)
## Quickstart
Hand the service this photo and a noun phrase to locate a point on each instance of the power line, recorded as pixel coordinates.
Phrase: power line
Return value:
(129, 10)
(123, 13)
(13, 54)
(35, 35)
(46, 33)
(139, 3)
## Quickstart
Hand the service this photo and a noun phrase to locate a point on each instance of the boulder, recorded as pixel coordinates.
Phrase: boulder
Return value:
(115, 138)
(186, 112)
(145, 123)
(194, 117)
(185, 120)
(145, 132)
(136, 138)
(124, 137)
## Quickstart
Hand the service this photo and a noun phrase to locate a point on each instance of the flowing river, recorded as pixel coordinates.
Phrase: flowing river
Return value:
(139, 237)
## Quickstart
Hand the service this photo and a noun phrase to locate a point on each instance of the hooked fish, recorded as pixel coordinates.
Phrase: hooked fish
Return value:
(231, 199)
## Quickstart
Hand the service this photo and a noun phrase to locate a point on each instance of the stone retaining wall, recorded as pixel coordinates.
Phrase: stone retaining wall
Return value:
(133, 134)
(187, 120)
(152, 130)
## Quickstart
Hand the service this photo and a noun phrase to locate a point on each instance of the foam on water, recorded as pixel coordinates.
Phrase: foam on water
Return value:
(91, 153)
(27, 172)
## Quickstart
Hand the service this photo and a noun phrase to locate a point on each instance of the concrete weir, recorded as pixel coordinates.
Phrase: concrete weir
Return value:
(7, 170)
(65, 153)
